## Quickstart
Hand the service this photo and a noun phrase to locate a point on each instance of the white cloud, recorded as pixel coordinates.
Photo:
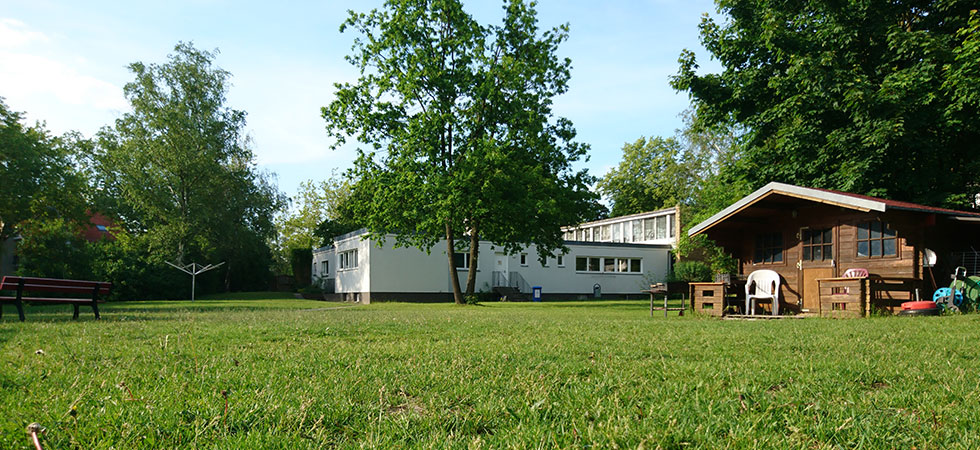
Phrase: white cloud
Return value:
(14, 33)
(28, 75)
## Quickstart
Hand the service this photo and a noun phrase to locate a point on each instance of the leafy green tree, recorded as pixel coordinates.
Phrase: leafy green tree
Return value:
(39, 175)
(318, 214)
(653, 174)
(53, 247)
(868, 97)
(179, 175)
(459, 117)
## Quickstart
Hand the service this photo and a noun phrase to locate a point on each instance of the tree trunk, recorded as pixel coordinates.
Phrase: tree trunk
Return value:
(474, 258)
(453, 274)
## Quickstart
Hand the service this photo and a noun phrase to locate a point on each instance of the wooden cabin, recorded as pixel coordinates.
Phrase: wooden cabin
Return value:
(812, 236)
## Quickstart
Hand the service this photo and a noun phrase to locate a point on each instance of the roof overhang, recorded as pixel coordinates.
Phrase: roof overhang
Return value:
(789, 190)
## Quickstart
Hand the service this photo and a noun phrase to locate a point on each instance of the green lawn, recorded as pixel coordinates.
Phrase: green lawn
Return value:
(304, 374)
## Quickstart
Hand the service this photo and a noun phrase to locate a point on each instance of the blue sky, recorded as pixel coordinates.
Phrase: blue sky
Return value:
(65, 63)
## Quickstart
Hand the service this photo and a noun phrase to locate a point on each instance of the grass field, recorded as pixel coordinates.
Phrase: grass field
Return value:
(303, 374)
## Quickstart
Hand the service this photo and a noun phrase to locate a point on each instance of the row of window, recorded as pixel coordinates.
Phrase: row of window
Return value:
(636, 230)
(875, 239)
(608, 264)
(462, 260)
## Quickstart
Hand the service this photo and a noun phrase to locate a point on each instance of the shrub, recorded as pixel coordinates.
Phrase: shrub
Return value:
(692, 271)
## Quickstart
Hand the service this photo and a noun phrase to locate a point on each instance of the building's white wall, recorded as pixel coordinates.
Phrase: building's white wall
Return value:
(566, 280)
(408, 269)
(355, 279)
(319, 256)
(387, 269)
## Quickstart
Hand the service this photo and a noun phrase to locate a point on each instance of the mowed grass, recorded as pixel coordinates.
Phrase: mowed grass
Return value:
(500, 375)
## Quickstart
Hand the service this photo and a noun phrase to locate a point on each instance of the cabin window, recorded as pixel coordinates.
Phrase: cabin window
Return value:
(523, 259)
(561, 260)
(461, 260)
(876, 239)
(768, 248)
(818, 245)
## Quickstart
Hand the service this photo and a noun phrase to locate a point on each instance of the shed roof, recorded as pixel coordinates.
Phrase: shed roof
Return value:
(837, 198)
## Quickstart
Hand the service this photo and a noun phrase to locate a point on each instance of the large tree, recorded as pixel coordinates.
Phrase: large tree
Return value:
(39, 175)
(869, 97)
(459, 116)
(178, 172)
(318, 213)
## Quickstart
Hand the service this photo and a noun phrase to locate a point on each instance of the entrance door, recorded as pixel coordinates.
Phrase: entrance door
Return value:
(501, 264)
(817, 251)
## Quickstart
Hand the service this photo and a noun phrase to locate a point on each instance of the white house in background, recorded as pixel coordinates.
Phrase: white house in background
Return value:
(356, 268)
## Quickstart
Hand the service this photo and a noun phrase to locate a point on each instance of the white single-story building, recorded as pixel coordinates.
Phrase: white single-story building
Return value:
(357, 268)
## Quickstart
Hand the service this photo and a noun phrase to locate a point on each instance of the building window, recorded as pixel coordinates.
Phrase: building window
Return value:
(461, 260)
(561, 260)
(347, 259)
(875, 240)
(768, 248)
(524, 259)
(616, 227)
(818, 245)
(314, 269)
(587, 264)
(608, 264)
(661, 227)
(672, 225)
(637, 226)
(606, 233)
(649, 229)
(326, 267)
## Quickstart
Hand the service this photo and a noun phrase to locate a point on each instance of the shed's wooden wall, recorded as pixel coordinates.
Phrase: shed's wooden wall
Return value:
(739, 236)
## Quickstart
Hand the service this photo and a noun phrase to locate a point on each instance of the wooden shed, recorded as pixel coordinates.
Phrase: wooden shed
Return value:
(811, 237)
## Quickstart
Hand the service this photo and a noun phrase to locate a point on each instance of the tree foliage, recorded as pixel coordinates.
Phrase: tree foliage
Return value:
(692, 169)
(877, 98)
(459, 117)
(39, 175)
(178, 173)
(319, 212)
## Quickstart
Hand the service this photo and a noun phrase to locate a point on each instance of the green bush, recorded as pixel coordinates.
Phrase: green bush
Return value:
(692, 271)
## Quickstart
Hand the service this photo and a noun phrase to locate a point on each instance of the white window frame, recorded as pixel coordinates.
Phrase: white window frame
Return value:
(466, 260)
(617, 263)
(523, 259)
(560, 260)
(347, 260)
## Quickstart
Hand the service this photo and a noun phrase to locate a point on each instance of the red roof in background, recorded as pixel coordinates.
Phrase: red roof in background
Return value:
(905, 205)
(99, 228)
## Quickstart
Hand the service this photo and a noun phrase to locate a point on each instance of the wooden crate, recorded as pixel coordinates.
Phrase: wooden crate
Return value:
(708, 298)
(843, 298)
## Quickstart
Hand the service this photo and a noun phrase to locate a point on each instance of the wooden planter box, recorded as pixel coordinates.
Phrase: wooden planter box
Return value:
(843, 297)
(708, 298)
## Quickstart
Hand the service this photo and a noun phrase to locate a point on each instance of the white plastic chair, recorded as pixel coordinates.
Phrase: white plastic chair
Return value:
(766, 287)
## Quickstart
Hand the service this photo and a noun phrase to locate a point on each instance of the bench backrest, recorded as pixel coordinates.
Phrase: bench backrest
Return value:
(55, 285)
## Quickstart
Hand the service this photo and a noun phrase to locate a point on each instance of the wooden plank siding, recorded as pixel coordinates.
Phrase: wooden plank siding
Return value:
(739, 236)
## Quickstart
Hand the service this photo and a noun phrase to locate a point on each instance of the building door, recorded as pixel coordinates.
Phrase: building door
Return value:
(501, 264)
(817, 260)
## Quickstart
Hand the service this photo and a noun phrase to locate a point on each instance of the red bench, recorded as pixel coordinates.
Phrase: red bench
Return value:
(21, 285)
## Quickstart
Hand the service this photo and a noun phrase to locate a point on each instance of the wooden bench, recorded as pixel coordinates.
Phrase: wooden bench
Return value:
(95, 290)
